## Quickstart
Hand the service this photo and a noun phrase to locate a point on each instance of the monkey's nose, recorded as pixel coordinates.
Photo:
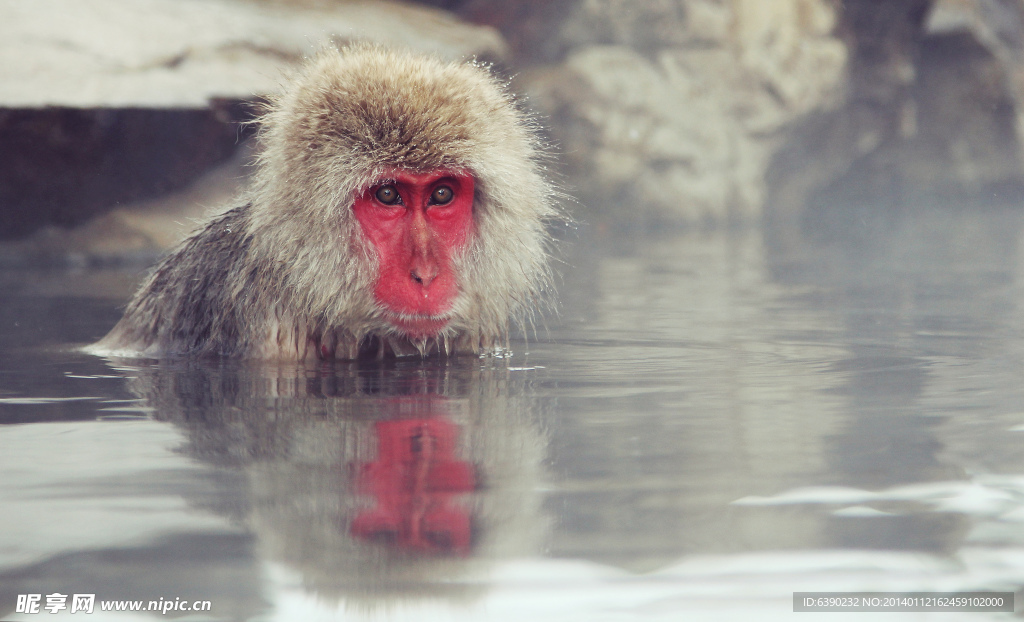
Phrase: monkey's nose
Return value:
(424, 275)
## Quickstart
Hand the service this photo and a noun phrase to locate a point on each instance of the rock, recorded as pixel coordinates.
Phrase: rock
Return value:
(670, 111)
(134, 234)
(116, 101)
(931, 117)
(998, 27)
(532, 28)
(882, 40)
(183, 53)
(714, 112)
(63, 165)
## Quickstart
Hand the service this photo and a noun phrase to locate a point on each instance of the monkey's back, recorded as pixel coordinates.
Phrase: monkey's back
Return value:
(204, 298)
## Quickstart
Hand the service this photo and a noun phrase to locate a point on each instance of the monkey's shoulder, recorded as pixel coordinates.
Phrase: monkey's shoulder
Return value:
(205, 258)
(225, 235)
(194, 300)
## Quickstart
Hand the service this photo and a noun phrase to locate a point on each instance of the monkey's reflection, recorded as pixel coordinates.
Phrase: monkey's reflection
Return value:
(413, 480)
(366, 478)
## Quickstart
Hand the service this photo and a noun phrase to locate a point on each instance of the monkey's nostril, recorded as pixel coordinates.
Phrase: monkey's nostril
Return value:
(423, 276)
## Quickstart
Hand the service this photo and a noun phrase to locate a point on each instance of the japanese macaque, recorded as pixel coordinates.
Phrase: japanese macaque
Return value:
(399, 206)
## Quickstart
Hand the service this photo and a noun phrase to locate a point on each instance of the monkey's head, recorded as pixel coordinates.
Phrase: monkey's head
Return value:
(405, 199)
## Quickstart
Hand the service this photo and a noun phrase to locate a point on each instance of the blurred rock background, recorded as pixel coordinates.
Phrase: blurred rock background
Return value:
(123, 121)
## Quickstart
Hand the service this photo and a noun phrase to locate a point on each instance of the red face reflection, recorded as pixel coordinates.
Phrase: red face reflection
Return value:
(413, 482)
(417, 222)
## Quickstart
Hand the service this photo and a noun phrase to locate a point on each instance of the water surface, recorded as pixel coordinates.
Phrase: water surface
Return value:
(713, 421)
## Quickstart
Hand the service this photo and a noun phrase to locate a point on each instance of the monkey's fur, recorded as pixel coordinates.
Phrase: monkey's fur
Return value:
(289, 275)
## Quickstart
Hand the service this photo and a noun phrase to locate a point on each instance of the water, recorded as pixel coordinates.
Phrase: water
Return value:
(714, 421)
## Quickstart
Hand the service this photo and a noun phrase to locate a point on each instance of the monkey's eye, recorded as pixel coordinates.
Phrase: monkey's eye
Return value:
(442, 195)
(388, 195)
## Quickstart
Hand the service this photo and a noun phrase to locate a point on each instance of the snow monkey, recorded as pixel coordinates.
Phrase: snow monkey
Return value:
(398, 207)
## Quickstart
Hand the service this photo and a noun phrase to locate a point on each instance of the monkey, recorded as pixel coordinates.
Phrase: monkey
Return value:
(400, 205)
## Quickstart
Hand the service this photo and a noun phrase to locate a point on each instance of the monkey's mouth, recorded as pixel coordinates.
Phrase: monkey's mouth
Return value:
(417, 326)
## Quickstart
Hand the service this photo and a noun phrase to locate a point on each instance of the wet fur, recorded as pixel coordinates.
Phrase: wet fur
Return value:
(289, 275)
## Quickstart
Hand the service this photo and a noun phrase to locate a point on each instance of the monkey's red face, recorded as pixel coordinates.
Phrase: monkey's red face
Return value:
(417, 223)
